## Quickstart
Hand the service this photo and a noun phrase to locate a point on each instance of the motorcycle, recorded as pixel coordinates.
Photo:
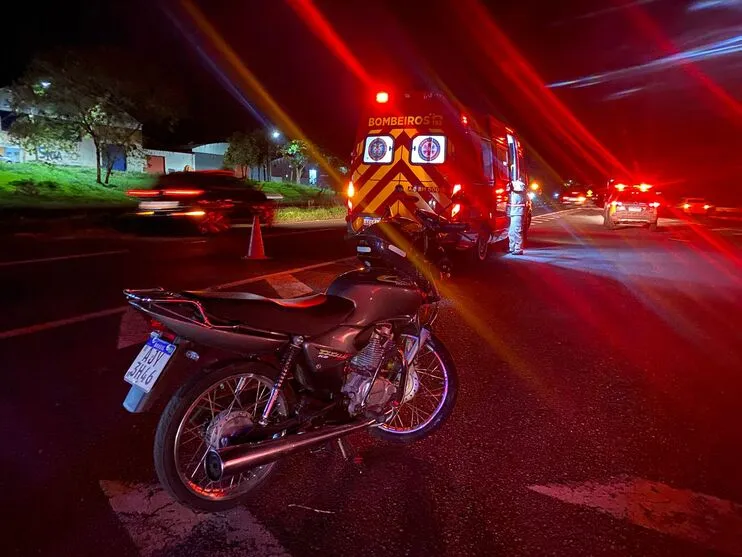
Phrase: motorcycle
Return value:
(246, 380)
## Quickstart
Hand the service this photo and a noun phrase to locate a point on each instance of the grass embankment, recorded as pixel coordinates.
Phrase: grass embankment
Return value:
(299, 214)
(42, 185)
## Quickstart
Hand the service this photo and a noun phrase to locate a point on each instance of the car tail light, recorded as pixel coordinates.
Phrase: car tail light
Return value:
(654, 204)
(456, 210)
(178, 192)
(143, 193)
(707, 207)
(686, 206)
(456, 189)
(161, 330)
(581, 199)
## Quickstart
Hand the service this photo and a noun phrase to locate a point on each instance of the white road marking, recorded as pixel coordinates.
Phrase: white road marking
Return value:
(279, 273)
(60, 323)
(62, 257)
(288, 286)
(159, 526)
(113, 311)
(708, 521)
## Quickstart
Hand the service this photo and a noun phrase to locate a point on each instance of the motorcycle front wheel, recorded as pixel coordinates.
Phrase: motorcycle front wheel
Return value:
(198, 415)
(430, 395)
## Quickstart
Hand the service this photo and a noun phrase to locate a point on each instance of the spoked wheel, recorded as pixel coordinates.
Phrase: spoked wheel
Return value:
(213, 222)
(430, 394)
(216, 406)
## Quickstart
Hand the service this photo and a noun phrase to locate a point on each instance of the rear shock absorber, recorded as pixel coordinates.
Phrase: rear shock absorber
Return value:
(287, 364)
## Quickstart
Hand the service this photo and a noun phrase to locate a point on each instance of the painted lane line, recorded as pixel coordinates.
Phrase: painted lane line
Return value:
(288, 286)
(60, 323)
(159, 526)
(279, 273)
(62, 258)
(121, 309)
(708, 521)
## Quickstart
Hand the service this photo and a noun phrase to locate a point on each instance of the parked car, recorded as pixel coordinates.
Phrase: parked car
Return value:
(574, 197)
(209, 200)
(632, 206)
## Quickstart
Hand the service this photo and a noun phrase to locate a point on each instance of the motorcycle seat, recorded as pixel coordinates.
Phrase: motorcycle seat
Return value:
(307, 315)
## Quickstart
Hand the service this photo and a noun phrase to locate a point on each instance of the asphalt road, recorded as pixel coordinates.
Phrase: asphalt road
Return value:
(598, 411)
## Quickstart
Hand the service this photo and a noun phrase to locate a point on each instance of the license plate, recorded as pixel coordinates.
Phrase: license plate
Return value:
(368, 221)
(148, 365)
(158, 205)
(635, 209)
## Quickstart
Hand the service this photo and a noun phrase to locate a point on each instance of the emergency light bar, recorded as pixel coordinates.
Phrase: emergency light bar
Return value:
(382, 97)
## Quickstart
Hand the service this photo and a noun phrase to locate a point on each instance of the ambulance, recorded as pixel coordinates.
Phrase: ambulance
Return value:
(419, 151)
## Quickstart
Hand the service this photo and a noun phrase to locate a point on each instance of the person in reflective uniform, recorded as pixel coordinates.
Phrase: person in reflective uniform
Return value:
(516, 211)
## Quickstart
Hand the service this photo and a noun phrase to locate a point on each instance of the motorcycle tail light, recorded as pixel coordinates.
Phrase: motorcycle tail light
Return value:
(161, 330)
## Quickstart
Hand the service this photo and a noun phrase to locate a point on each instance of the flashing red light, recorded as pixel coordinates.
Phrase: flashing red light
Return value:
(620, 187)
(465, 119)
(143, 193)
(382, 97)
(456, 189)
(499, 191)
(351, 189)
(456, 210)
(175, 192)
(350, 205)
(654, 204)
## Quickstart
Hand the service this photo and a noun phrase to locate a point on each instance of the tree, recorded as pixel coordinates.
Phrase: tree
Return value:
(297, 152)
(267, 150)
(37, 133)
(242, 152)
(102, 93)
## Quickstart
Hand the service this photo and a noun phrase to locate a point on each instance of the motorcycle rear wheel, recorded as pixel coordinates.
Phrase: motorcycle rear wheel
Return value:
(433, 401)
(182, 437)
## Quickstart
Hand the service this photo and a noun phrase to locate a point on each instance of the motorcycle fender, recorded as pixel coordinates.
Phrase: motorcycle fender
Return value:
(178, 372)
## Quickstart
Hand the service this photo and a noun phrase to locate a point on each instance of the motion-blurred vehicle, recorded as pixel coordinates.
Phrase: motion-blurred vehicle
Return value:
(421, 151)
(634, 206)
(695, 206)
(249, 380)
(209, 200)
(574, 197)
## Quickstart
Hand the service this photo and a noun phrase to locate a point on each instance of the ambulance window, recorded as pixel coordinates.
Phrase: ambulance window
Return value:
(378, 149)
(501, 154)
(487, 160)
(428, 149)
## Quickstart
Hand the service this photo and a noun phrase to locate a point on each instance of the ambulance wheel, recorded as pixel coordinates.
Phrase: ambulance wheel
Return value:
(482, 247)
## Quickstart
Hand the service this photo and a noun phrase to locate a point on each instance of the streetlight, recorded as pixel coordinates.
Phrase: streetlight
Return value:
(276, 134)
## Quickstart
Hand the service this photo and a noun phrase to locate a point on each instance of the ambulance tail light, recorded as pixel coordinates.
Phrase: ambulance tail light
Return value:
(382, 97)
(350, 205)
(351, 190)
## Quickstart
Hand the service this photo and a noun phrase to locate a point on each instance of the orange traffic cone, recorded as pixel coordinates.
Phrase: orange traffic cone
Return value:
(256, 250)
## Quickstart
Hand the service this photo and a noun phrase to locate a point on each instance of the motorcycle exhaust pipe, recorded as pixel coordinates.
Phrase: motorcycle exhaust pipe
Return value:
(240, 458)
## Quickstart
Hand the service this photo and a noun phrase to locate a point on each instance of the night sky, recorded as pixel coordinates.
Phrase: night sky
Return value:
(657, 82)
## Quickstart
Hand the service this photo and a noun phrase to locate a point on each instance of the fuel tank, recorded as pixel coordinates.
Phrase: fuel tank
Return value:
(378, 294)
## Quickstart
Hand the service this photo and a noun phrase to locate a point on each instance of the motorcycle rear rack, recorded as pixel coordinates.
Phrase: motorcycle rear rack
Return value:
(148, 299)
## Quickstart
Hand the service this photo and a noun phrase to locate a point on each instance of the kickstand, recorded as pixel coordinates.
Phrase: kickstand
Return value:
(349, 455)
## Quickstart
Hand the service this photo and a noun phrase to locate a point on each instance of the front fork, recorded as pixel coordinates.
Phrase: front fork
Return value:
(412, 345)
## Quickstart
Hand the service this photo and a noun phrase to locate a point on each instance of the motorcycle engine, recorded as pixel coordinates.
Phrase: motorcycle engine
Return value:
(359, 380)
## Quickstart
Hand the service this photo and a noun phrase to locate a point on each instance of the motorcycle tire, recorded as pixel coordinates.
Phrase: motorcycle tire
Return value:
(170, 422)
(443, 411)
